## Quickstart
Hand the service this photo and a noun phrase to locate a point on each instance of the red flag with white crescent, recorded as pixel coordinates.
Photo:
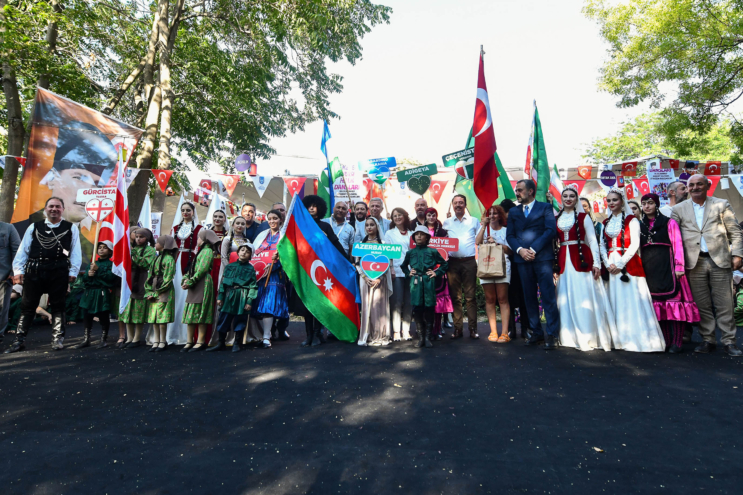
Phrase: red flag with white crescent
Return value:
(162, 177)
(713, 168)
(437, 189)
(485, 179)
(294, 184)
(230, 183)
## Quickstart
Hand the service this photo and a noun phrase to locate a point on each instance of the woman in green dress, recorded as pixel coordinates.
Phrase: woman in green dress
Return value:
(96, 300)
(159, 291)
(199, 311)
(236, 294)
(135, 312)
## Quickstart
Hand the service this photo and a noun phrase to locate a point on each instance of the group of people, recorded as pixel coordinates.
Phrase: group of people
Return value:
(637, 281)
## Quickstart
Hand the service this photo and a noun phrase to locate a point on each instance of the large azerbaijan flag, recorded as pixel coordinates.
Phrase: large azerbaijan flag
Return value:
(322, 277)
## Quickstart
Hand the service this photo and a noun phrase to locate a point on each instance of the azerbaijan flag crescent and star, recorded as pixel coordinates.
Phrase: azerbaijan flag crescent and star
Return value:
(324, 280)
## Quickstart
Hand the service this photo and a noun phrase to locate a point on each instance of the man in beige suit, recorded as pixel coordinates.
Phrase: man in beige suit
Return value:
(713, 248)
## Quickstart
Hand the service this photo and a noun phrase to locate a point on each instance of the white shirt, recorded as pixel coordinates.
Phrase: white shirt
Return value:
(21, 257)
(360, 231)
(530, 206)
(613, 229)
(667, 210)
(699, 215)
(393, 236)
(345, 233)
(465, 230)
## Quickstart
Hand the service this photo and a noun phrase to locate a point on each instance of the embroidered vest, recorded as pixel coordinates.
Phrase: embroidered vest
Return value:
(569, 240)
(634, 265)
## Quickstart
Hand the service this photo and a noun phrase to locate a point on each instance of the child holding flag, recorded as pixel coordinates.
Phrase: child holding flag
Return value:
(422, 265)
(96, 300)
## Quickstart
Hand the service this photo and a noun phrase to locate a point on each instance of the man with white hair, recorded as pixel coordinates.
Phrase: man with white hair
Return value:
(376, 206)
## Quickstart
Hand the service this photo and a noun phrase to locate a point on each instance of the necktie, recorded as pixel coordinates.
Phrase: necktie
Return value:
(526, 211)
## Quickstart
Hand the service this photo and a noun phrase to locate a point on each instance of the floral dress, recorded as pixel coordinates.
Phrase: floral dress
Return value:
(160, 286)
(200, 299)
(135, 311)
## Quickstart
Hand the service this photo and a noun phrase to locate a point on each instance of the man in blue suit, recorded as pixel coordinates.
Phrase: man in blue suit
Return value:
(531, 229)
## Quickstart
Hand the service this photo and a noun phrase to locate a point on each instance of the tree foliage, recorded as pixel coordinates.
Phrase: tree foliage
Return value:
(645, 135)
(682, 56)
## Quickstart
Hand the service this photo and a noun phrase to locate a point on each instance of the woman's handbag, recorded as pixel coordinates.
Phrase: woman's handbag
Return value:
(491, 262)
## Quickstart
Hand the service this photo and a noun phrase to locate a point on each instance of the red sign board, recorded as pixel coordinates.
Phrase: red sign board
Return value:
(444, 245)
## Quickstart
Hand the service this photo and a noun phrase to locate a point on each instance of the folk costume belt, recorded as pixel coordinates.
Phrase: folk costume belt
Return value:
(617, 249)
(569, 243)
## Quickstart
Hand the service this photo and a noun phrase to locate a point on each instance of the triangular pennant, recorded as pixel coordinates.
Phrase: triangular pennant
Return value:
(674, 164)
(437, 189)
(713, 168)
(294, 184)
(579, 183)
(631, 191)
(230, 183)
(162, 177)
(260, 182)
(713, 181)
(737, 180)
(585, 171)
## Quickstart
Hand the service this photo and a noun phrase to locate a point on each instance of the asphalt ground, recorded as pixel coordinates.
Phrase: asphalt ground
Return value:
(464, 417)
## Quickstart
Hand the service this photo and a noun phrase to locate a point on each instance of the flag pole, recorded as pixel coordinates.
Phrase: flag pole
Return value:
(95, 244)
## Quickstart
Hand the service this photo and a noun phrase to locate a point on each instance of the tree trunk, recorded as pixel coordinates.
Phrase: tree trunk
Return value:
(167, 40)
(52, 31)
(16, 134)
(153, 95)
(134, 76)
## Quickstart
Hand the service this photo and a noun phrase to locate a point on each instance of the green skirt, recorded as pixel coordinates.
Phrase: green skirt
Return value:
(135, 312)
(96, 300)
(201, 313)
(162, 312)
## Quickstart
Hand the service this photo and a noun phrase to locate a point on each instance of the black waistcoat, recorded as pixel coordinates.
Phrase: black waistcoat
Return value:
(57, 251)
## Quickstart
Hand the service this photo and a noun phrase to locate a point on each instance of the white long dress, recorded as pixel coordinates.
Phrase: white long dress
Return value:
(586, 317)
(636, 326)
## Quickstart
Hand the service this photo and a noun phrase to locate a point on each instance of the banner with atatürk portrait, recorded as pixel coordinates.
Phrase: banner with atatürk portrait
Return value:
(72, 152)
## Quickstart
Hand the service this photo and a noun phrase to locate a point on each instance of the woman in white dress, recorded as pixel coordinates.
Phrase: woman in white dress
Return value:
(637, 327)
(400, 307)
(586, 318)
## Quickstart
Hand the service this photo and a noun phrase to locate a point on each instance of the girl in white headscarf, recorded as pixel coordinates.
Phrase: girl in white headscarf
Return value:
(637, 327)
(586, 318)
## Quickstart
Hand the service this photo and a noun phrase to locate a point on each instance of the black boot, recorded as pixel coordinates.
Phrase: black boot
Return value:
(319, 339)
(237, 346)
(309, 330)
(427, 338)
(104, 336)
(220, 345)
(20, 335)
(420, 327)
(86, 340)
(58, 331)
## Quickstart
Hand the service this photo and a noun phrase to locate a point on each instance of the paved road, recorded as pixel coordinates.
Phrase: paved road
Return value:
(465, 417)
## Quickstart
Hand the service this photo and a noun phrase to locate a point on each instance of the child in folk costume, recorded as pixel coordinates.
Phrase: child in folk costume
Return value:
(637, 327)
(135, 312)
(664, 265)
(586, 319)
(443, 297)
(199, 310)
(375, 295)
(422, 265)
(96, 300)
(159, 291)
(271, 302)
(237, 291)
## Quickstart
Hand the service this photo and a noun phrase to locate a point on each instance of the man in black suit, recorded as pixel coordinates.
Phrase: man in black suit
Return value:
(530, 232)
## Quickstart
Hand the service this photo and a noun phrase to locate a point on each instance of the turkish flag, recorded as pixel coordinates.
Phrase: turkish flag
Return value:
(206, 184)
(162, 177)
(372, 190)
(485, 179)
(713, 181)
(642, 185)
(713, 168)
(437, 189)
(230, 183)
(294, 184)
(629, 169)
(585, 171)
(674, 164)
(596, 208)
(631, 190)
(580, 183)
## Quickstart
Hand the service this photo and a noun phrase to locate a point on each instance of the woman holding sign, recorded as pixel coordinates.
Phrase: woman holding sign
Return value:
(376, 289)
(493, 231)
(271, 301)
(402, 311)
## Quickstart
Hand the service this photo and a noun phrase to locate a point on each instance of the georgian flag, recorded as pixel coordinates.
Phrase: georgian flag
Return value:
(122, 257)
